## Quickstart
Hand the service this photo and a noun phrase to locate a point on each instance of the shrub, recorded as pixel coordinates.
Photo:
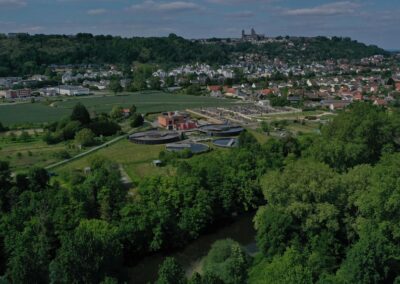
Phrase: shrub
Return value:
(137, 120)
(85, 137)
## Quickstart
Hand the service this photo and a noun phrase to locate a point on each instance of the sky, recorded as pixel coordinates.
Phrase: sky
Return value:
(369, 21)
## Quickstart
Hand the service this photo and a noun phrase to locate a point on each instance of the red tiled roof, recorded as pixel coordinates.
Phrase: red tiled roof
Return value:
(267, 92)
(230, 90)
(214, 88)
(380, 102)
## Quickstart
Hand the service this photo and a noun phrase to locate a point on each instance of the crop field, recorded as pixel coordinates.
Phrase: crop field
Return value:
(41, 112)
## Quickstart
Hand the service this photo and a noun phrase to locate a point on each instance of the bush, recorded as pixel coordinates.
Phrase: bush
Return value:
(62, 154)
(171, 272)
(105, 128)
(24, 137)
(51, 138)
(137, 120)
(70, 129)
(228, 261)
(3, 128)
(85, 137)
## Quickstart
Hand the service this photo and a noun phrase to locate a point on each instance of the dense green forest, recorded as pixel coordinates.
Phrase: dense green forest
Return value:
(32, 54)
(327, 211)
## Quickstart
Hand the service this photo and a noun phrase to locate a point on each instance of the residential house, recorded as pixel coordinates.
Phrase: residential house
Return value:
(294, 99)
(266, 92)
(39, 78)
(231, 92)
(338, 105)
(126, 112)
(397, 86)
(380, 102)
(335, 104)
(357, 96)
(7, 82)
(215, 90)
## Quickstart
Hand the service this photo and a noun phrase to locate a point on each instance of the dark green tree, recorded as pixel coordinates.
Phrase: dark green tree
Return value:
(87, 255)
(171, 272)
(80, 113)
(137, 120)
(115, 86)
(3, 128)
(133, 109)
(5, 185)
(228, 261)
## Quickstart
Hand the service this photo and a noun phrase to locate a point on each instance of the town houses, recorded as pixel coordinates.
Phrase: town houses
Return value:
(331, 84)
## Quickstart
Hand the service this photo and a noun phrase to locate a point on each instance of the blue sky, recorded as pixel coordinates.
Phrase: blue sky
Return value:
(373, 22)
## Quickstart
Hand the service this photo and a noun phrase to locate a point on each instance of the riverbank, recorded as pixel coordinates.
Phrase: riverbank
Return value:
(191, 256)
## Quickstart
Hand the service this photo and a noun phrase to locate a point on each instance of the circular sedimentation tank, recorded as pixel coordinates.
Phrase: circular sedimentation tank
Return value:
(154, 137)
(226, 142)
(221, 130)
(195, 148)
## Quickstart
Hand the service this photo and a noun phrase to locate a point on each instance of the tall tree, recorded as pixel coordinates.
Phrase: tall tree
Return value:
(81, 114)
(228, 261)
(90, 253)
(5, 184)
(171, 272)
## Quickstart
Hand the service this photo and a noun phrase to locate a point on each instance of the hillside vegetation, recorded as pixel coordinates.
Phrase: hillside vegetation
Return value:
(32, 54)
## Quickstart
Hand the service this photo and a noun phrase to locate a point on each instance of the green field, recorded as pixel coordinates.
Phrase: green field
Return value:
(40, 112)
(135, 159)
(24, 155)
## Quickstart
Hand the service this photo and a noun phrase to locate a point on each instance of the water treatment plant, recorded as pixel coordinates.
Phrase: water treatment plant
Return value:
(221, 130)
(195, 148)
(226, 142)
(154, 137)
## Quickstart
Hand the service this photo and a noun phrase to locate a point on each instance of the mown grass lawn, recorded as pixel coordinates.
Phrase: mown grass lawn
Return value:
(135, 159)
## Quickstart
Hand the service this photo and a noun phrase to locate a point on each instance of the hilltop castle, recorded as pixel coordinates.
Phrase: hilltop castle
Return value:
(253, 36)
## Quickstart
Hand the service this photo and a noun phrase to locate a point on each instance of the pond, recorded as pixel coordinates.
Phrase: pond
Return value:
(226, 142)
(195, 148)
(240, 230)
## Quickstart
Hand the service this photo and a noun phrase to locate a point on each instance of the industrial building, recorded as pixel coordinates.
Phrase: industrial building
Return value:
(176, 121)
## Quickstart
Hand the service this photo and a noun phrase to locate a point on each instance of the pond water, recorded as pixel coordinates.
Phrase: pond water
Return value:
(226, 142)
(240, 230)
(195, 148)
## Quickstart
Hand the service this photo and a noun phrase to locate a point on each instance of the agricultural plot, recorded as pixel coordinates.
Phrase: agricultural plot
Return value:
(41, 112)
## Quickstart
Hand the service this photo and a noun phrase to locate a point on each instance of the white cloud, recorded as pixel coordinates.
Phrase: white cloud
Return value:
(176, 6)
(95, 12)
(243, 14)
(241, 1)
(337, 8)
(12, 3)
